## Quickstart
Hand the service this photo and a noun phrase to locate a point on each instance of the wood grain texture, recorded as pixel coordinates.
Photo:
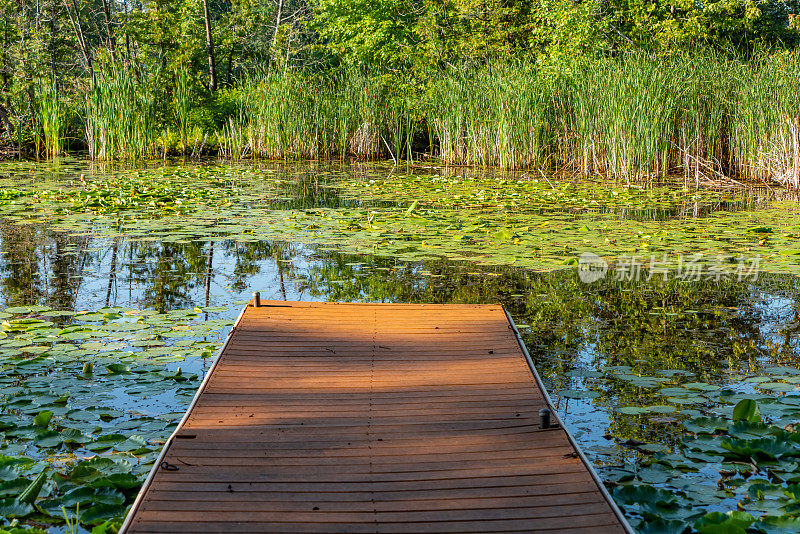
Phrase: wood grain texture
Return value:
(329, 417)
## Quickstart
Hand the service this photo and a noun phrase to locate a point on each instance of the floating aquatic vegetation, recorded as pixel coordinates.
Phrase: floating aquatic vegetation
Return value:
(535, 225)
(530, 193)
(105, 385)
(176, 191)
(543, 223)
(732, 475)
(87, 401)
(729, 454)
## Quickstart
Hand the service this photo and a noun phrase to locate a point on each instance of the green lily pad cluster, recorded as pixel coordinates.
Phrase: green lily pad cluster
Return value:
(638, 369)
(137, 193)
(676, 391)
(78, 424)
(513, 220)
(531, 193)
(732, 475)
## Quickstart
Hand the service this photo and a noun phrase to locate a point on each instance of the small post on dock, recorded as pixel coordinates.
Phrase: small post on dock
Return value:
(544, 418)
(257, 299)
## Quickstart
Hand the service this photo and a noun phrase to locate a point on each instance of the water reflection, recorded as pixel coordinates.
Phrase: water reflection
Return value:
(715, 332)
(719, 331)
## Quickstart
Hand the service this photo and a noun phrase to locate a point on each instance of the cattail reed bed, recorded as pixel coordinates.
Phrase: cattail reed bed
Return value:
(336, 114)
(120, 115)
(636, 117)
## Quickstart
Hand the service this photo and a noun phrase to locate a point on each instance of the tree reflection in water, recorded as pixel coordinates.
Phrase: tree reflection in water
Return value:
(707, 331)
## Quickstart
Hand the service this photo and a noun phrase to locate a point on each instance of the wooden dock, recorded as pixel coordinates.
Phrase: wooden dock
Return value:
(326, 417)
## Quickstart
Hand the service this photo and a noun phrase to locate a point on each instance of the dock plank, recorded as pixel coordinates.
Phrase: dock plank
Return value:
(329, 417)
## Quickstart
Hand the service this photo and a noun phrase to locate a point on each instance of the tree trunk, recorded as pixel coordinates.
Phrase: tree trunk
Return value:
(6, 76)
(127, 38)
(32, 109)
(76, 25)
(209, 271)
(277, 23)
(212, 66)
(6, 122)
(112, 44)
(51, 43)
(280, 276)
(4, 114)
(112, 272)
(230, 63)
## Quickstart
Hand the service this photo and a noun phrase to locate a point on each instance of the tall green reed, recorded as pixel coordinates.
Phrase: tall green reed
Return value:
(182, 102)
(233, 138)
(502, 115)
(635, 117)
(52, 117)
(120, 114)
(704, 119)
(335, 114)
(765, 133)
(623, 114)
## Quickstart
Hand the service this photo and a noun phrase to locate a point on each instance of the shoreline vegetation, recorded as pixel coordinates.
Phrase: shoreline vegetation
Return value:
(633, 118)
(624, 91)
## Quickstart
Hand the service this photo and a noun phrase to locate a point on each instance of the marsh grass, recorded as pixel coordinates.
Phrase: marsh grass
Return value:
(344, 113)
(120, 115)
(702, 134)
(765, 124)
(232, 139)
(633, 118)
(52, 115)
(624, 113)
(503, 117)
(182, 102)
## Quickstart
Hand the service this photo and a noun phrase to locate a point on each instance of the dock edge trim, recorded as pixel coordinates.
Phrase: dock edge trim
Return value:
(599, 481)
(149, 480)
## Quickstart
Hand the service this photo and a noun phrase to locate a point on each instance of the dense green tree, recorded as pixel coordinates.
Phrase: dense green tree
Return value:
(739, 24)
(396, 34)
(381, 34)
(55, 51)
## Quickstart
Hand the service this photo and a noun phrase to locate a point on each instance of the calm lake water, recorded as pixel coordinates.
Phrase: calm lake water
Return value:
(671, 349)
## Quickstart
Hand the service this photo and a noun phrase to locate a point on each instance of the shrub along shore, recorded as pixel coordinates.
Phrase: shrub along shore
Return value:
(635, 117)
